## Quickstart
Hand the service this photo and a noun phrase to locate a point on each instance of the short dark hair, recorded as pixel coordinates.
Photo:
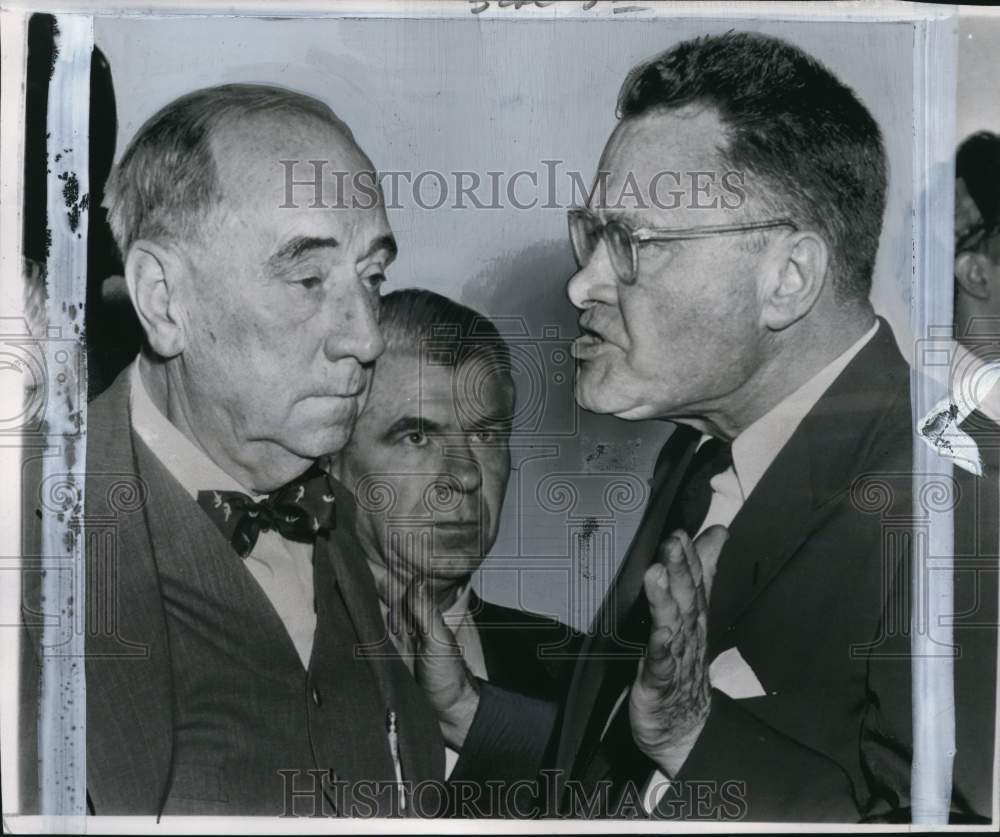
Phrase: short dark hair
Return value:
(791, 124)
(166, 181)
(442, 332)
(977, 165)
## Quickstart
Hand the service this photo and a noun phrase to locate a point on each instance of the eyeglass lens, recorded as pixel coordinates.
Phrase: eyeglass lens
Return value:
(586, 233)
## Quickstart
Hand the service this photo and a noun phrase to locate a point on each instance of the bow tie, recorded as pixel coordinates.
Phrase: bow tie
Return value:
(298, 511)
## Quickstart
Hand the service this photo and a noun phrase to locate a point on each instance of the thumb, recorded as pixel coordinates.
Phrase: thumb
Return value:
(710, 542)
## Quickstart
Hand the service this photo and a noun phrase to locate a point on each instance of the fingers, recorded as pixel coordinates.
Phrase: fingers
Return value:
(671, 588)
(381, 576)
(439, 667)
(678, 612)
(390, 589)
(422, 616)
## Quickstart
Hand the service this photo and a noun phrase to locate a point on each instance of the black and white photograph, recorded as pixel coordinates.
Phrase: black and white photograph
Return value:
(538, 414)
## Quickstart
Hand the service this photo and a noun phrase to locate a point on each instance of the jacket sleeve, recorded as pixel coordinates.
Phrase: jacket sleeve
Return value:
(745, 770)
(508, 738)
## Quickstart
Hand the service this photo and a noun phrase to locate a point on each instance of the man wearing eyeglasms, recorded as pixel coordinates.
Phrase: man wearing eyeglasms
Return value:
(758, 649)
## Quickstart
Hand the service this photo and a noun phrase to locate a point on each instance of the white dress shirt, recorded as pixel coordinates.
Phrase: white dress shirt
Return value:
(463, 626)
(753, 452)
(281, 567)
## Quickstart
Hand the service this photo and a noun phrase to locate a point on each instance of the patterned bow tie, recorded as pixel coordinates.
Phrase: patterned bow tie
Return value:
(298, 511)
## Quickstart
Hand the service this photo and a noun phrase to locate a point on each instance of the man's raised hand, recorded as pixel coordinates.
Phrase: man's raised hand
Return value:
(670, 698)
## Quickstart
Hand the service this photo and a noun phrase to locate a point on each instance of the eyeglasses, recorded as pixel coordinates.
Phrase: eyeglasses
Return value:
(586, 231)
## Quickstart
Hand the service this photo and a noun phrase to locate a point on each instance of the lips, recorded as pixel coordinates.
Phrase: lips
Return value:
(589, 344)
(352, 388)
(354, 392)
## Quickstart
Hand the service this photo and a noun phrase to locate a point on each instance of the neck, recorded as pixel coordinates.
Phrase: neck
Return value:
(259, 467)
(447, 594)
(791, 361)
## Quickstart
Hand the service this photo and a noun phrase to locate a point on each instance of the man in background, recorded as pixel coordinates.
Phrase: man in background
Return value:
(962, 425)
(977, 243)
(428, 463)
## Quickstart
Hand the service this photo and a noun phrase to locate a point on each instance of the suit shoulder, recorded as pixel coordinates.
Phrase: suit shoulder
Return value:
(490, 614)
(107, 419)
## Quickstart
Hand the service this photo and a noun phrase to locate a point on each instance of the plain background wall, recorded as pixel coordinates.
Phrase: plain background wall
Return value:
(484, 95)
(978, 74)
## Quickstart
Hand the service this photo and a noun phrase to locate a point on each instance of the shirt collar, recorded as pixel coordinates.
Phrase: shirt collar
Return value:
(186, 462)
(759, 444)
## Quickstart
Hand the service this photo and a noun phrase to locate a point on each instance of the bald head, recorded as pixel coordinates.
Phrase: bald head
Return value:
(180, 163)
(273, 160)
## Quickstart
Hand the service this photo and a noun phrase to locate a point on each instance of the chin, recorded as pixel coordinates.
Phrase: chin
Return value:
(640, 412)
(455, 567)
(596, 396)
(316, 442)
(455, 546)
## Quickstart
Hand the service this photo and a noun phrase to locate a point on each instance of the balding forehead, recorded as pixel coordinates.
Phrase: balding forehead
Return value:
(249, 154)
(271, 134)
(669, 136)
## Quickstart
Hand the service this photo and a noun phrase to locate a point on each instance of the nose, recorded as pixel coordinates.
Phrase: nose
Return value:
(594, 282)
(356, 331)
(462, 466)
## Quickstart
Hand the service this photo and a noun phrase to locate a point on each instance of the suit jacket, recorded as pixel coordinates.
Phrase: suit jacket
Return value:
(813, 589)
(529, 659)
(138, 517)
(525, 652)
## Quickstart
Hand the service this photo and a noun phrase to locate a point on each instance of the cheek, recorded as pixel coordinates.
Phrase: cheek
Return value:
(660, 328)
(496, 473)
(216, 325)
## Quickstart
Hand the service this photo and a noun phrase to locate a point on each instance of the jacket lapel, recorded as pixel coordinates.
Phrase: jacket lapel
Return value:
(799, 491)
(129, 678)
(599, 644)
(184, 536)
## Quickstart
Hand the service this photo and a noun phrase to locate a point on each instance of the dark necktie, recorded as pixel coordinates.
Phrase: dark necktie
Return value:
(624, 760)
(299, 511)
(695, 495)
(690, 506)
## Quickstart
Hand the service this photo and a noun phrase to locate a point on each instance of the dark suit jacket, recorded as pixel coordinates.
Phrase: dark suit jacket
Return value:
(525, 652)
(136, 515)
(529, 658)
(813, 589)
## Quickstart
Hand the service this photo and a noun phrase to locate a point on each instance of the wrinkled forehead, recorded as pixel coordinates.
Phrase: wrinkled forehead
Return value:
(665, 158)
(477, 384)
(291, 160)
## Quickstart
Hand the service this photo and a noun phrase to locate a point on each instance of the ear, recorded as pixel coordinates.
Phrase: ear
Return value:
(153, 273)
(795, 279)
(972, 273)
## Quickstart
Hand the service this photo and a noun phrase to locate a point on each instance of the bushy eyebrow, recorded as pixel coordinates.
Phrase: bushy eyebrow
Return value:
(412, 424)
(385, 242)
(488, 423)
(296, 247)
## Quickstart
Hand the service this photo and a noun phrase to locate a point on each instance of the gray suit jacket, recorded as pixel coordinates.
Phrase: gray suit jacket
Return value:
(136, 517)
